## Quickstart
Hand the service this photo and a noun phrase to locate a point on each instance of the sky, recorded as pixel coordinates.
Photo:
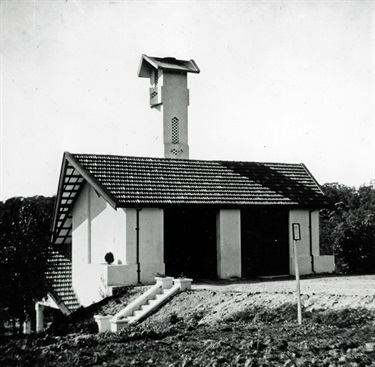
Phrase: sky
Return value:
(280, 81)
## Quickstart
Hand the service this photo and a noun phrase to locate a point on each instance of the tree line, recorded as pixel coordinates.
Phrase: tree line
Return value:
(347, 231)
(347, 228)
(25, 229)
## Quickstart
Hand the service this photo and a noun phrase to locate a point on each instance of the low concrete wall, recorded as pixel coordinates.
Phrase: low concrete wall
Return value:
(120, 275)
(304, 265)
(90, 283)
(324, 264)
(93, 282)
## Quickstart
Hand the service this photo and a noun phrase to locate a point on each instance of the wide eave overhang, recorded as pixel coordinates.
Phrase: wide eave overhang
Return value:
(159, 182)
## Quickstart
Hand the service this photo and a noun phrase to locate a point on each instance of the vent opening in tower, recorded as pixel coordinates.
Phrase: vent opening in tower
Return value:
(175, 133)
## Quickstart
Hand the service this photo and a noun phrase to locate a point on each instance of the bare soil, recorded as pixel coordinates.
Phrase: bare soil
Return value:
(224, 323)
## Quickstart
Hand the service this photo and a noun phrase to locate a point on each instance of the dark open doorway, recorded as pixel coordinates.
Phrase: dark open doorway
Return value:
(264, 241)
(190, 242)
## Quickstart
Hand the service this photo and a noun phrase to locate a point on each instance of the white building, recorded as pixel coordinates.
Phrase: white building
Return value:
(172, 215)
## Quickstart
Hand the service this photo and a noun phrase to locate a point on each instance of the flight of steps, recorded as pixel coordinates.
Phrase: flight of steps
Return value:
(141, 307)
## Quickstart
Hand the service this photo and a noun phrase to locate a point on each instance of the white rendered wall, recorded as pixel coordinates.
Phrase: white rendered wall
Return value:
(228, 226)
(175, 98)
(300, 216)
(81, 251)
(307, 265)
(151, 242)
(108, 230)
(97, 229)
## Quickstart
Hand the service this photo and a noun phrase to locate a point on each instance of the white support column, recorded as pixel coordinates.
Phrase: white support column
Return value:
(151, 246)
(39, 308)
(150, 243)
(322, 264)
(27, 327)
(228, 227)
(300, 216)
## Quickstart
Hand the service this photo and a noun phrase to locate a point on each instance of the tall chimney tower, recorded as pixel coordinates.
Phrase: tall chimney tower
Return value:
(169, 94)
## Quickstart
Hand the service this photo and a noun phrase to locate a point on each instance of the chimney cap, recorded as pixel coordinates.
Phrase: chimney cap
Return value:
(148, 63)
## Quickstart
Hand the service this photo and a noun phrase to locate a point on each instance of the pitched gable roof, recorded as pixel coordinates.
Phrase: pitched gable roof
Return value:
(148, 63)
(135, 181)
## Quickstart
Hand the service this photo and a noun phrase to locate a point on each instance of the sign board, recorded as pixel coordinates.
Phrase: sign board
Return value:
(296, 231)
(296, 237)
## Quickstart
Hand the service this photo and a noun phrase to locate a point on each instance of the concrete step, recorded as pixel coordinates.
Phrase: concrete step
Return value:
(132, 319)
(120, 324)
(146, 307)
(143, 309)
(137, 313)
(146, 303)
(159, 296)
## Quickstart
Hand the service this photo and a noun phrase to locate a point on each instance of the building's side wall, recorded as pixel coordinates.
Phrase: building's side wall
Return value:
(81, 232)
(97, 229)
(108, 230)
(81, 250)
(228, 243)
(309, 259)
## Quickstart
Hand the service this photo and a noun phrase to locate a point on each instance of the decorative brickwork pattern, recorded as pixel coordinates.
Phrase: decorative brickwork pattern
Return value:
(176, 152)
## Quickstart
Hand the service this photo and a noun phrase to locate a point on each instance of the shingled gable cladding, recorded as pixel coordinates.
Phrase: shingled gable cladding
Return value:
(59, 277)
(130, 181)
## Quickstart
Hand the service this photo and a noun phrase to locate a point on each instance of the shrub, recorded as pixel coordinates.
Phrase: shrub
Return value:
(109, 258)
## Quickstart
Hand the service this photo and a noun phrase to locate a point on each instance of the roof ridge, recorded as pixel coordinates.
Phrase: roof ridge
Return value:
(177, 160)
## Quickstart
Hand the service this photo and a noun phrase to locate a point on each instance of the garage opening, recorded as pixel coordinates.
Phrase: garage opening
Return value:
(264, 241)
(190, 242)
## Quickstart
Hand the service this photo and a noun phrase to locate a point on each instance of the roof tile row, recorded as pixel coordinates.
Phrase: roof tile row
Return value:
(136, 180)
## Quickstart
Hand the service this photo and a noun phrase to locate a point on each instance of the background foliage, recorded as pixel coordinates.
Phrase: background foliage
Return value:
(25, 225)
(348, 228)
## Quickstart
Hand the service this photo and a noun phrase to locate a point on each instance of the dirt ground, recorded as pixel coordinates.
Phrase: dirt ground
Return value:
(218, 300)
(226, 323)
(359, 285)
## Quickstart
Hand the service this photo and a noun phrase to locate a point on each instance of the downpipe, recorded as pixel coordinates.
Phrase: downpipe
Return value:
(137, 247)
(310, 240)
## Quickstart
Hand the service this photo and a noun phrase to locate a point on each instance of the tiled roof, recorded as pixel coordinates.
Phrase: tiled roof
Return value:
(158, 181)
(59, 277)
(135, 181)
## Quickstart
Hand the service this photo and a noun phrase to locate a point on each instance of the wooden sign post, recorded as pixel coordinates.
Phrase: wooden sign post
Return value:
(297, 237)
